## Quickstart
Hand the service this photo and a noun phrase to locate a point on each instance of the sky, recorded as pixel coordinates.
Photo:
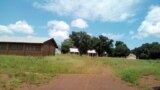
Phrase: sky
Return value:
(134, 22)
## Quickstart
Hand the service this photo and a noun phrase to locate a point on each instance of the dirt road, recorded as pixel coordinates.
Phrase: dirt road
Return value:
(83, 82)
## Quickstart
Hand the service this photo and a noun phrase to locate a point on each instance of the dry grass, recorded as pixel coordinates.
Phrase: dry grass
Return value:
(38, 70)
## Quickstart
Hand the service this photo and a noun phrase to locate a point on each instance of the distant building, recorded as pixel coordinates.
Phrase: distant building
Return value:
(131, 56)
(27, 46)
(105, 53)
(73, 51)
(92, 52)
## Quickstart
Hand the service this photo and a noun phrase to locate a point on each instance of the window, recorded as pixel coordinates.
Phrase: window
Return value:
(16, 46)
(33, 47)
(3, 46)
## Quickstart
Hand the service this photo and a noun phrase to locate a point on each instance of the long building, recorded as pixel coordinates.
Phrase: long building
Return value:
(27, 46)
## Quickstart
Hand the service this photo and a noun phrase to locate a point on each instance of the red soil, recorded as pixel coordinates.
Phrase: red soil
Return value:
(83, 82)
(150, 82)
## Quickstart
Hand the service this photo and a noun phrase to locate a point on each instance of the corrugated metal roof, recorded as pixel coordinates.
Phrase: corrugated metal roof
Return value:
(24, 39)
(91, 51)
(74, 50)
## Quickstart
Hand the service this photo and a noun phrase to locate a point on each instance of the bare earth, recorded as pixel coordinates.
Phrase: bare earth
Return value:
(83, 82)
(150, 82)
(103, 81)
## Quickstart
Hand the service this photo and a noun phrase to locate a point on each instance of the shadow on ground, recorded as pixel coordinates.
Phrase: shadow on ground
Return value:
(156, 88)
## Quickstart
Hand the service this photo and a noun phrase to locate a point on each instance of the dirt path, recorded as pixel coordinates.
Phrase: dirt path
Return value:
(150, 82)
(104, 81)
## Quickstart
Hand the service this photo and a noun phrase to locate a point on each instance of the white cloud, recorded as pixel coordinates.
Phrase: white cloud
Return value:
(151, 25)
(79, 23)
(132, 20)
(58, 29)
(103, 10)
(90, 34)
(19, 26)
(4, 29)
(113, 36)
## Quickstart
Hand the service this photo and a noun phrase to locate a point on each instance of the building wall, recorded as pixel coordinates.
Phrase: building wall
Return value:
(32, 49)
(3, 48)
(44, 49)
(48, 48)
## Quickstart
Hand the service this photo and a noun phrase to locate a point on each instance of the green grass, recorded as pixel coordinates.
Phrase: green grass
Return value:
(132, 70)
(39, 70)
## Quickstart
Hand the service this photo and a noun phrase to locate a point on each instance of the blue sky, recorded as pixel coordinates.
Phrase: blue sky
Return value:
(132, 21)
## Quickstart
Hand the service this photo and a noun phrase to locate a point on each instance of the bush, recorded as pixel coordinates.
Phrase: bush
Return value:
(143, 56)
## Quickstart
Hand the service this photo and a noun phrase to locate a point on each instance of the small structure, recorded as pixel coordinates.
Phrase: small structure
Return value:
(105, 54)
(27, 46)
(131, 56)
(92, 52)
(73, 51)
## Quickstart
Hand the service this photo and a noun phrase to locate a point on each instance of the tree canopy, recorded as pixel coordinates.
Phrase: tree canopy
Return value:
(148, 51)
(81, 40)
(84, 42)
(68, 43)
(101, 44)
(121, 49)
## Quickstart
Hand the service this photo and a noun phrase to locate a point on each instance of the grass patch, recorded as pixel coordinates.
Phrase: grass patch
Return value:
(38, 70)
(132, 70)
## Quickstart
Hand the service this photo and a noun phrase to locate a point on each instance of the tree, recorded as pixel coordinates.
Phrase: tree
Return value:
(148, 51)
(102, 44)
(143, 56)
(121, 49)
(68, 43)
(81, 40)
(154, 50)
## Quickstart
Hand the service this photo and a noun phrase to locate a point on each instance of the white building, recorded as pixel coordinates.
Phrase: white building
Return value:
(131, 56)
(73, 50)
(92, 52)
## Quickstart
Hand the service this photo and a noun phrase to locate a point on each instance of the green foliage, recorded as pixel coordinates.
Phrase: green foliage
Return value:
(143, 56)
(15, 81)
(68, 43)
(84, 42)
(148, 51)
(11, 84)
(130, 76)
(38, 70)
(81, 40)
(121, 49)
(131, 71)
(102, 44)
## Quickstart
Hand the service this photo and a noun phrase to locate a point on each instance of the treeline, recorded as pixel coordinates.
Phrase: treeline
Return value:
(101, 44)
(148, 51)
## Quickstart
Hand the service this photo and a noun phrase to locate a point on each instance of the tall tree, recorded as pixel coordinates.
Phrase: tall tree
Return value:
(81, 40)
(68, 43)
(148, 51)
(121, 49)
(102, 44)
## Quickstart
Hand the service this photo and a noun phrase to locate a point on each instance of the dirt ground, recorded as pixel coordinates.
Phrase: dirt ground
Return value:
(104, 81)
(149, 82)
